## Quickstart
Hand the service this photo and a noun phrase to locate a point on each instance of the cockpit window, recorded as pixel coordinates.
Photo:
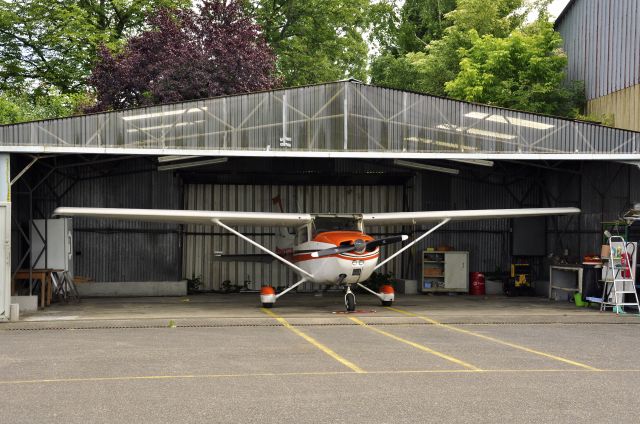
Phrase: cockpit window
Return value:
(334, 223)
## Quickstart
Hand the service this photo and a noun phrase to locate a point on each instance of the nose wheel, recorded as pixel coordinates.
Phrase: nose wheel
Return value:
(349, 300)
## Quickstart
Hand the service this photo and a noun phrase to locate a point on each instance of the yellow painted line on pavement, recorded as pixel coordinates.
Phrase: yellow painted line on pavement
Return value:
(493, 339)
(314, 342)
(303, 374)
(417, 345)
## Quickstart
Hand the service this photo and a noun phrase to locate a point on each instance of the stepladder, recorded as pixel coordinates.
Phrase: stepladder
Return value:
(619, 291)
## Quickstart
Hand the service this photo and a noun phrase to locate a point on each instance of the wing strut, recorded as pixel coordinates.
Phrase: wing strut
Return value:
(431, 230)
(291, 287)
(261, 247)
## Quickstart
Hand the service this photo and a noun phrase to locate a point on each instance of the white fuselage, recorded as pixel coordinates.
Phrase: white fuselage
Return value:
(344, 268)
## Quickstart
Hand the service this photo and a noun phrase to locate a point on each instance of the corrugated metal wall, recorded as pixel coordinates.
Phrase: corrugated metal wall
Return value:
(602, 40)
(202, 241)
(117, 250)
(623, 106)
(333, 117)
(130, 251)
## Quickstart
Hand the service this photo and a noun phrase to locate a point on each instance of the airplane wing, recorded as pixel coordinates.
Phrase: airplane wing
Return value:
(266, 219)
(410, 218)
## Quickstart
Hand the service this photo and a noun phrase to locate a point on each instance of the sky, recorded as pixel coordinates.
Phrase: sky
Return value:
(556, 7)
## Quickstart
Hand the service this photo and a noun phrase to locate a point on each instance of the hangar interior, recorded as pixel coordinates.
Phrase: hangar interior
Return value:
(127, 251)
(342, 147)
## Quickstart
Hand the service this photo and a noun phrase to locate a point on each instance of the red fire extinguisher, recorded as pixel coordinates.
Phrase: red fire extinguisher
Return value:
(626, 265)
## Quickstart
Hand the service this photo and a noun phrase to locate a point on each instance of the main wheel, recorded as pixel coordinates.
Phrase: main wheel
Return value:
(387, 302)
(350, 302)
(267, 305)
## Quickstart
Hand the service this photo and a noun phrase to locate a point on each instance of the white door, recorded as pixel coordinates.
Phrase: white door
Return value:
(456, 273)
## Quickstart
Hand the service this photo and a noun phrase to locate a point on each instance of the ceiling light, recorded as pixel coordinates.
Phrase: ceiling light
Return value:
(529, 124)
(480, 162)
(175, 158)
(476, 115)
(497, 118)
(510, 120)
(167, 113)
(183, 165)
(425, 167)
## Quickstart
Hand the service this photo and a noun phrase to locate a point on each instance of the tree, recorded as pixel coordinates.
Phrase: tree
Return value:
(21, 107)
(186, 54)
(439, 62)
(422, 21)
(523, 71)
(315, 40)
(48, 44)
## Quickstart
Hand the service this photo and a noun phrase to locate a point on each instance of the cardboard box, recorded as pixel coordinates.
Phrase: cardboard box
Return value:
(433, 272)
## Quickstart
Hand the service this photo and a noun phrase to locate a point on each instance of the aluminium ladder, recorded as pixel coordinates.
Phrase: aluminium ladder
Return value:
(622, 281)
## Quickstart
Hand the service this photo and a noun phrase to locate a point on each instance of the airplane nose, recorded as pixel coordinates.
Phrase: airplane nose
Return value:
(359, 245)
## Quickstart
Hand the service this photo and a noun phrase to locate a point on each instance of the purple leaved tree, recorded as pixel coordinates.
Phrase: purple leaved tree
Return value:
(187, 54)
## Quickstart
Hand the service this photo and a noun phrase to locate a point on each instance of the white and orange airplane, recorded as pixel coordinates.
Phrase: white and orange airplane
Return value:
(332, 249)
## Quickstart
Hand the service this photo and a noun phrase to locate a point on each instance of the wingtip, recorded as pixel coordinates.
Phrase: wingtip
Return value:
(405, 237)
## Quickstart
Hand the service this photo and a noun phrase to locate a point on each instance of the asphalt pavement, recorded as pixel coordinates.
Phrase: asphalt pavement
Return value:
(400, 365)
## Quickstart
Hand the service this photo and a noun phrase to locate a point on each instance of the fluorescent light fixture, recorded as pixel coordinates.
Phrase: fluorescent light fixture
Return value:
(502, 136)
(179, 124)
(167, 113)
(183, 165)
(497, 118)
(530, 124)
(425, 167)
(446, 144)
(510, 120)
(476, 115)
(480, 162)
(163, 159)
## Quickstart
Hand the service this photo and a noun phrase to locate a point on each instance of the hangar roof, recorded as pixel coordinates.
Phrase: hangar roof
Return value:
(337, 119)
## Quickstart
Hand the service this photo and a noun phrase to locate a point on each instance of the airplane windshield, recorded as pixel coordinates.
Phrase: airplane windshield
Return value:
(334, 223)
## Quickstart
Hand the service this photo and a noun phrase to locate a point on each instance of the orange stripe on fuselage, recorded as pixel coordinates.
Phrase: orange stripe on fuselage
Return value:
(307, 257)
(336, 238)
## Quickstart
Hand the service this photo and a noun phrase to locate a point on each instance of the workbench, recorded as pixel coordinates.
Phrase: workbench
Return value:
(42, 275)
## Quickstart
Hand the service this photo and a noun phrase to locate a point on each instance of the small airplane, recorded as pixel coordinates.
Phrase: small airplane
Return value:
(333, 249)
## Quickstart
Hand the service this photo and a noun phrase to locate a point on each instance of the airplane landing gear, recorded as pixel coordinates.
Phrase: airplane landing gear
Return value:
(349, 299)
(267, 296)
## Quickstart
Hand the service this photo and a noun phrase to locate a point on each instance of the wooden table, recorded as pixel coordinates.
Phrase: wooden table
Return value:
(42, 275)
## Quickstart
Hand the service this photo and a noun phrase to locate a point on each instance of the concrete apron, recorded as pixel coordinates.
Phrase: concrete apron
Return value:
(243, 309)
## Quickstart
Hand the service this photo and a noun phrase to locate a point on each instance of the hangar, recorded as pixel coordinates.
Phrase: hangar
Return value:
(329, 148)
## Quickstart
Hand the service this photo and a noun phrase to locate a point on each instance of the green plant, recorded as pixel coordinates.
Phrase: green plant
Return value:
(193, 284)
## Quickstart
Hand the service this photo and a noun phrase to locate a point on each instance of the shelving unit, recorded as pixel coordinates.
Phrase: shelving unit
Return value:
(445, 271)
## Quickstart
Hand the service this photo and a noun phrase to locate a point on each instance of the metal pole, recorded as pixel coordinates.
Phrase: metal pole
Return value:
(5, 237)
(291, 288)
(413, 242)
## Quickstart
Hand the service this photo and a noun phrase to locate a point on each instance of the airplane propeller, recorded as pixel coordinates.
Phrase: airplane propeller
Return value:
(359, 246)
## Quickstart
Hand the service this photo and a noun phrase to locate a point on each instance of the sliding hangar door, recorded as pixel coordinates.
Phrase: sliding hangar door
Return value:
(203, 245)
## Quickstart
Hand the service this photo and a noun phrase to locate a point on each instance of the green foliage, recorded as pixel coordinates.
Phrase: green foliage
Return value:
(524, 71)
(46, 43)
(439, 62)
(606, 119)
(422, 21)
(315, 40)
(21, 107)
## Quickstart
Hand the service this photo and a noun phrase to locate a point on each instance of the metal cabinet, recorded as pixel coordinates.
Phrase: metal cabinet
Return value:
(445, 271)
